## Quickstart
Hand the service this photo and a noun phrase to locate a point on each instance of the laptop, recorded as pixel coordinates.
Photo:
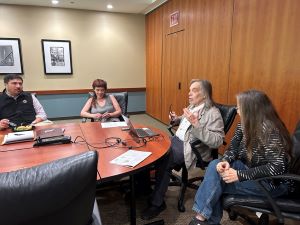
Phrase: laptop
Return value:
(139, 132)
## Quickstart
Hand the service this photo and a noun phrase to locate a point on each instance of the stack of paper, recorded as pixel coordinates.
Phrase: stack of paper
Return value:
(131, 158)
(18, 137)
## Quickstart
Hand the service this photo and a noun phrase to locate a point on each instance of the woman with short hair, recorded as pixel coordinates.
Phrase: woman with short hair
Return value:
(101, 107)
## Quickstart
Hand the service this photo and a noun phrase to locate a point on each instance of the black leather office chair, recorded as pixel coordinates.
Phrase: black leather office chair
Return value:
(121, 97)
(60, 192)
(228, 113)
(287, 206)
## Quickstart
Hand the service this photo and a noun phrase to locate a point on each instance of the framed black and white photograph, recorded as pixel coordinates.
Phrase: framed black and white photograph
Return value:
(57, 56)
(10, 56)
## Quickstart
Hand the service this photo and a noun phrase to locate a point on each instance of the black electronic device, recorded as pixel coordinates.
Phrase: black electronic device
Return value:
(53, 140)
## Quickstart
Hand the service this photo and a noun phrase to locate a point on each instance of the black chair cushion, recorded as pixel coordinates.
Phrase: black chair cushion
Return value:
(60, 192)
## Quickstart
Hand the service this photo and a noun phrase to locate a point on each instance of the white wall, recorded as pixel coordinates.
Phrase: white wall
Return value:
(105, 45)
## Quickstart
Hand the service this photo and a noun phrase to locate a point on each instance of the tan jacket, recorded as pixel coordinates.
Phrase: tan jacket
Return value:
(210, 132)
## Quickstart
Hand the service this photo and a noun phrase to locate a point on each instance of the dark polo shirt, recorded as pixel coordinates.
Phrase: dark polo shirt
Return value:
(19, 110)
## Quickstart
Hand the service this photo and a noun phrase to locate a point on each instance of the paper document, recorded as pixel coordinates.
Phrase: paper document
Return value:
(131, 158)
(113, 124)
(18, 137)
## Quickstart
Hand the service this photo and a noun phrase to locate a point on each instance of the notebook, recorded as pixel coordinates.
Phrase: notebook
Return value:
(139, 132)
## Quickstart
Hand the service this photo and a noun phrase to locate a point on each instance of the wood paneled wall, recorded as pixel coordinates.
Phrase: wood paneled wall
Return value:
(209, 39)
(154, 62)
(236, 44)
(265, 53)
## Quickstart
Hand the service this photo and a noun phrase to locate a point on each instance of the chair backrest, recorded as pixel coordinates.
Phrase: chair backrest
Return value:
(121, 97)
(295, 162)
(228, 113)
(296, 141)
(60, 192)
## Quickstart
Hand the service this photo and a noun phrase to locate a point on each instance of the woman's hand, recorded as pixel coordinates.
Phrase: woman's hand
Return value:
(97, 116)
(106, 115)
(222, 167)
(193, 119)
(230, 176)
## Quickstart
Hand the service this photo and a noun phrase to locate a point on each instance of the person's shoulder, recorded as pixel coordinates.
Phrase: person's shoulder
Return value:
(112, 97)
(25, 93)
(214, 111)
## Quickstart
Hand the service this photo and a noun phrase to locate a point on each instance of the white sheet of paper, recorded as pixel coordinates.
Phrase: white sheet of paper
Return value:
(113, 124)
(131, 158)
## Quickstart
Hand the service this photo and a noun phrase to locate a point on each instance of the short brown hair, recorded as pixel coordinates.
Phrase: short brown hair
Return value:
(9, 77)
(99, 83)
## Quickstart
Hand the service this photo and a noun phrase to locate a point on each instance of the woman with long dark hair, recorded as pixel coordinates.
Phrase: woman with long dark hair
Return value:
(101, 107)
(260, 148)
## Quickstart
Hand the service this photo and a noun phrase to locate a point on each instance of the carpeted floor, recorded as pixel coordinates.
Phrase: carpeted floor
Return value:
(114, 209)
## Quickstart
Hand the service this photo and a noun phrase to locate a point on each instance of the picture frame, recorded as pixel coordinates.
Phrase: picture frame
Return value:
(57, 56)
(10, 56)
(174, 19)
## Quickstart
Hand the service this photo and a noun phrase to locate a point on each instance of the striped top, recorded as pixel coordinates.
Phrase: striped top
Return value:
(267, 159)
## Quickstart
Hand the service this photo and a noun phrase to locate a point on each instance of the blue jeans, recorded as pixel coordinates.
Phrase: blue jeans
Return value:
(208, 197)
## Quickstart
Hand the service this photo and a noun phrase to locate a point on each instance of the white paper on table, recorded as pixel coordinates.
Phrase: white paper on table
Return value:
(113, 124)
(18, 137)
(131, 158)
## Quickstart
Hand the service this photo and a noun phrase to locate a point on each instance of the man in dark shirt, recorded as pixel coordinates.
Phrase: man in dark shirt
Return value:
(17, 106)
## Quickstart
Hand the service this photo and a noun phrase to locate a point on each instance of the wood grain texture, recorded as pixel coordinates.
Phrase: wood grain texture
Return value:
(174, 84)
(174, 65)
(265, 53)
(209, 38)
(154, 63)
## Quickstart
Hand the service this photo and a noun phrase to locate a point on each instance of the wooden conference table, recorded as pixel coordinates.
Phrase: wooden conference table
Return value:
(24, 155)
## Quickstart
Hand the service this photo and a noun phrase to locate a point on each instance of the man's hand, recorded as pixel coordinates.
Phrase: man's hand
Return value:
(172, 116)
(4, 123)
(193, 119)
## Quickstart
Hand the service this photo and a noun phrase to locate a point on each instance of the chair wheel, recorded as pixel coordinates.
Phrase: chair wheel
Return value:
(232, 215)
(264, 219)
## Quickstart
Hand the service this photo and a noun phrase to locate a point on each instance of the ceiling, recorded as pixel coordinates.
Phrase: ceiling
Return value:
(124, 6)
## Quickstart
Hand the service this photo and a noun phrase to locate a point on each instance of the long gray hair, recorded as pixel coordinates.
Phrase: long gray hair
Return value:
(206, 90)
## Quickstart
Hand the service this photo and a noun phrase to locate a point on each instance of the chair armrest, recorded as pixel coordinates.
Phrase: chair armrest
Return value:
(170, 127)
(271, 201)
(288, 176)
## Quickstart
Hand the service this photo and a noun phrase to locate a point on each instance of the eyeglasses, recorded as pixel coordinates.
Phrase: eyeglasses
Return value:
(170, 109)
(171, 112)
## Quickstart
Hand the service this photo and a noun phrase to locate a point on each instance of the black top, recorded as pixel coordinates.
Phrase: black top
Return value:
(19, 110)
(267, 159)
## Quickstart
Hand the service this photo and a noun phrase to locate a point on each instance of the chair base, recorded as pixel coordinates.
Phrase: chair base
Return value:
(183, 182)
